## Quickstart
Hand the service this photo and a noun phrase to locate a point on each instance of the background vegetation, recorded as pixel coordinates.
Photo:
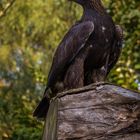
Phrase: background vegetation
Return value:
(30, 30)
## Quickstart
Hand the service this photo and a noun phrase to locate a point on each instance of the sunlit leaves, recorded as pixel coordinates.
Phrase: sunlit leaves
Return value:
(127, 14)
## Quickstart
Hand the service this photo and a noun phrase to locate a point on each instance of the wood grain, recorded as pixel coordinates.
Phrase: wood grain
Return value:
(99, 111)
(106, 112)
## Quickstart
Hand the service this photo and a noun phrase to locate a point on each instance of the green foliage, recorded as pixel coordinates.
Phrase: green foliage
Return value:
(127, 14)
(29, 33)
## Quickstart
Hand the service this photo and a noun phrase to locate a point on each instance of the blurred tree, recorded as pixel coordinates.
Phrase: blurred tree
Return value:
(29, 33)
(127, 13)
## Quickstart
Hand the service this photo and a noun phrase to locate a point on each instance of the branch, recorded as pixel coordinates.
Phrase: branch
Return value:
(6, 8)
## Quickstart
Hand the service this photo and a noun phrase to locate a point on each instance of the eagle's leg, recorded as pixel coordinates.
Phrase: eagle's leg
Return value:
(74, 76)
(98, 75)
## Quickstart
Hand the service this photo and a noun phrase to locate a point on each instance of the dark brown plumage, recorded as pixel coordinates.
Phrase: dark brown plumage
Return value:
(86, 54)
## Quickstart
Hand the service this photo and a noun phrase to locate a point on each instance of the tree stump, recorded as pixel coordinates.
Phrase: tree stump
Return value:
(99, 111)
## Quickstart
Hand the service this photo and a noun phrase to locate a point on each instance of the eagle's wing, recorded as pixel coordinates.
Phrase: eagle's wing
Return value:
(117, 47)
(68, 49)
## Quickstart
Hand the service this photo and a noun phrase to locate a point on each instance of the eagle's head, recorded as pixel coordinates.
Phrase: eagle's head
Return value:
(86, 2)
(94, 4)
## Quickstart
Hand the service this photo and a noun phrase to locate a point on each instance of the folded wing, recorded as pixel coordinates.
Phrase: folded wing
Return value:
(71, 45)
(116, 49)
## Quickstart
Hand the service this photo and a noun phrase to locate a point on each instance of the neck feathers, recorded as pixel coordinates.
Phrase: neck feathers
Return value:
(98, 6)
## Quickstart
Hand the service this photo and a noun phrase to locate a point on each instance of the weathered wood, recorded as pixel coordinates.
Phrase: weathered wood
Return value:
(98, 112)
(50, 127)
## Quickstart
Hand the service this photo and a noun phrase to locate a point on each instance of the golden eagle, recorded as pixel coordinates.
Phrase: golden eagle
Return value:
(87, 53)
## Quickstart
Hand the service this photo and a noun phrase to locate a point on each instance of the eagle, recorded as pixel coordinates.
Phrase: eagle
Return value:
(86, 54)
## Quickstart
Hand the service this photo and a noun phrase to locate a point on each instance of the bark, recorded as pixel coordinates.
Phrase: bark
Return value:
(96, 112)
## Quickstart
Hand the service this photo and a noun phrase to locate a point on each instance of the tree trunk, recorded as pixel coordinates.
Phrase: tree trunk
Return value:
(99, 111)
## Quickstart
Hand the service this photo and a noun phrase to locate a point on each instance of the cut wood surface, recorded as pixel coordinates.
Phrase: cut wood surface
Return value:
(97, 112)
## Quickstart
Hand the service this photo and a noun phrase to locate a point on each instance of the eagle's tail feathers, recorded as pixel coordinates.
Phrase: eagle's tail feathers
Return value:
(42, 108)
